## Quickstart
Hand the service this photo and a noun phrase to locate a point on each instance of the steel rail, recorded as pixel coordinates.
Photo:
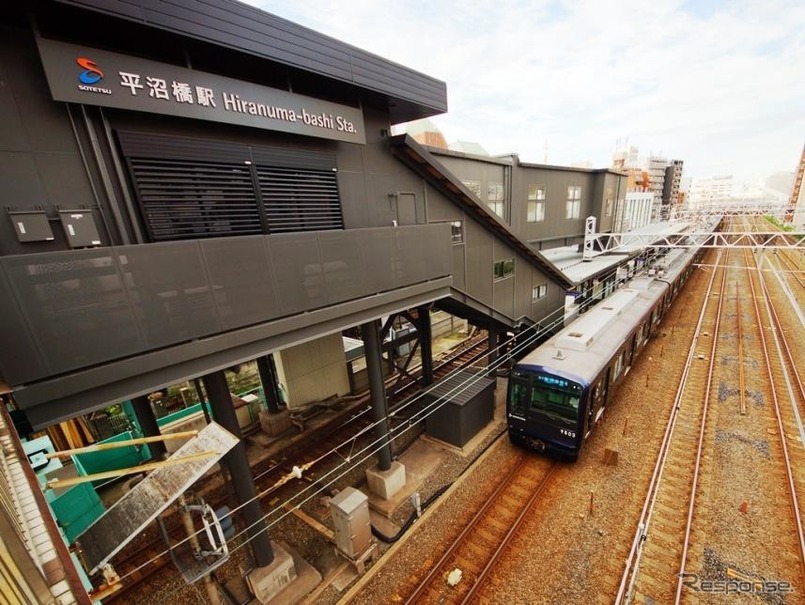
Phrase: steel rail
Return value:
(779, 336)
(633, 558)
(741, 377)
(700, 446)
(425, 583)
(509, 534)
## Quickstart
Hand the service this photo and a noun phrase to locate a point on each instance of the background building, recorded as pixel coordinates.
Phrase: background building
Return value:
(671, 188)
(711, 190)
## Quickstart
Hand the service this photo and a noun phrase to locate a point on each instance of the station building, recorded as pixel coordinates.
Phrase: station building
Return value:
(190, 186)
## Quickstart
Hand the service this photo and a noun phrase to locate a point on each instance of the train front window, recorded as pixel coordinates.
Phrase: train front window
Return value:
(556, 396)
(541, 393)
(519, 395)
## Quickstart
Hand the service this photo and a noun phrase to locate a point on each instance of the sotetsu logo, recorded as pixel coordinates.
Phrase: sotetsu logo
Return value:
(92, 74)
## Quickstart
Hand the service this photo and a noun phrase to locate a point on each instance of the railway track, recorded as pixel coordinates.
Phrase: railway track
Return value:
(660, 542)
(466, 563)
(136, 565)
(733, 528)
(782, 369)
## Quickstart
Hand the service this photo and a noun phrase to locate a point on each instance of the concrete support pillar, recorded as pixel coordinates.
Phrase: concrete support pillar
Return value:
(237, 463)
(371, 344)
(268, 378)
(148, 425)
(425, 344)
(492, 343)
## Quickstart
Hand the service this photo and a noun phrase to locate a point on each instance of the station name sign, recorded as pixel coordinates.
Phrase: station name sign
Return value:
(78, 74)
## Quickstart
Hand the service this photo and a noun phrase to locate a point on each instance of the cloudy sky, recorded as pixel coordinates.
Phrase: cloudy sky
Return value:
(718, 84)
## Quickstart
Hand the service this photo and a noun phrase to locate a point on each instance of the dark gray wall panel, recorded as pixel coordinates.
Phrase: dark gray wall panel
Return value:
(76, 306)
(80, 308)
(459, 267)
(438, 211)
(376, 250)
(343, 266)
(526, 276)
(40, 163)
(479, 262)
(22, 357)
(504, 295)
(555, 229)
(58, 172)
(352, 189)
(242, 280)
(298, 266)
(12, 134)
(409, 255)
(20, 186)
(46, 123)
(148, 144)
(170, 292)
(66, 396)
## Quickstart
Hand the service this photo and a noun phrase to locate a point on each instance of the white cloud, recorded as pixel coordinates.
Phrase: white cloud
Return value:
(718, 84)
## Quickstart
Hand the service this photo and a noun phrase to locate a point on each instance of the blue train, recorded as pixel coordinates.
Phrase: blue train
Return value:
(560, 390)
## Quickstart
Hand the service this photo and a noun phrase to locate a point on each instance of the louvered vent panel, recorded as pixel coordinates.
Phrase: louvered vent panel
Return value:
(300, 200)
(191, 199)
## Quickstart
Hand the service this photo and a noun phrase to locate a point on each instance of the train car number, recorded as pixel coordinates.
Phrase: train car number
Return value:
(567, 433)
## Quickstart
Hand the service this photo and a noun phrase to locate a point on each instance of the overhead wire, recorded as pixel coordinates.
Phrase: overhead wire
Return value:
(555, 319)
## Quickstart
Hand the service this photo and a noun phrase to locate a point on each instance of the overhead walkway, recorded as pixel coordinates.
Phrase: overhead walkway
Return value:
(461, 302)
(565, 266)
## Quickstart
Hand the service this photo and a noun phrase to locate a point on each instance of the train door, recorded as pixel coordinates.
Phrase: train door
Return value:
(595, 405)
(593, 402)
(599, 399)
(631, 355)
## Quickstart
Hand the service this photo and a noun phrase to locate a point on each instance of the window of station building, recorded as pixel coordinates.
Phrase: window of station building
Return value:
(609, 202)
(535, 207)
(457, 232)
(495, 197)
(538, 292)
(473, 186)
(573, 202)
(503, 268)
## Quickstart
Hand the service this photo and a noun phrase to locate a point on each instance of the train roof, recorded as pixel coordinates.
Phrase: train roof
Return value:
(584, 348)
(581, 350)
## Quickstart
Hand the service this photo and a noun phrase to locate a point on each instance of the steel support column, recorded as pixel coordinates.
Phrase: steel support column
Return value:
(238, 464)
(201, 399)
(148, 425)
(426, 344)
(492, 344)
(268, 379)
(374, 366)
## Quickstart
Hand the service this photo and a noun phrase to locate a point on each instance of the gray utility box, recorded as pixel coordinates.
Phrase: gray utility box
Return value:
(466, 403)
(353, 529)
